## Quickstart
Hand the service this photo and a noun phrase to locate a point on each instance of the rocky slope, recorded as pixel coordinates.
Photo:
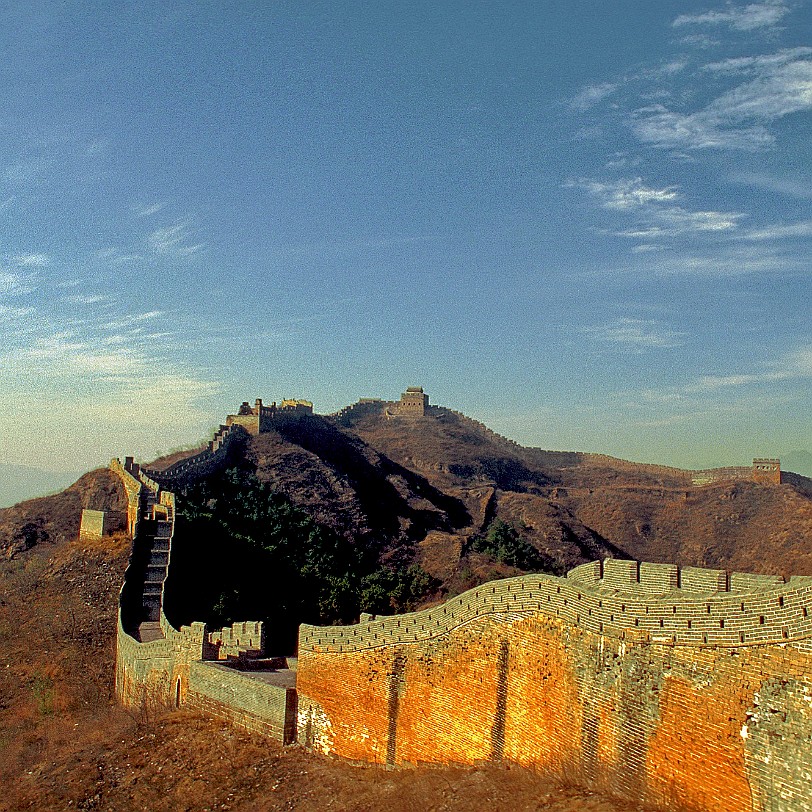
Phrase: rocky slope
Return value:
(55, 519)
(576, 507)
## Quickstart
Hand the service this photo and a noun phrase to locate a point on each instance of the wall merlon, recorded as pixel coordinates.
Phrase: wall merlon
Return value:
(698, 579)
(659, 578)
(589, 573)
(240, 640)
(620, 574)
(748, 582)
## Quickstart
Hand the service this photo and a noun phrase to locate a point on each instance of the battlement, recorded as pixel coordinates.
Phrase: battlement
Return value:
(763, 471)
(260, 418)
(634, 576)
(240, 641)
(128, 474)
(678, 688)
(686, 606)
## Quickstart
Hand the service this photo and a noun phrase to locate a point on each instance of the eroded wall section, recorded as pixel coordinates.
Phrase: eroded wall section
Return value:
(683, 689)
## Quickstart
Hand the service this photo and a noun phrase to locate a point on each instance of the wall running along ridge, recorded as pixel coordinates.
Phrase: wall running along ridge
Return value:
(212, 459)
(683, 688)
(159, 666)
(687, 689)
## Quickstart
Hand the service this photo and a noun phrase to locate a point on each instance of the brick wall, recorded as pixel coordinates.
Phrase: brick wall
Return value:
(683, 688)
(93, 524)
(174, 672)
(133, 489)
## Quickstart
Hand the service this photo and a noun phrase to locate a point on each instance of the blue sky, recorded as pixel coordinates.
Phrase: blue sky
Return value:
(588, 225)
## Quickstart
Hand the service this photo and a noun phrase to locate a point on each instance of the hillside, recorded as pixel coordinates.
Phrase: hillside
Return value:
(380, 514)
(55, 519)
(572, 505)
(347, 503)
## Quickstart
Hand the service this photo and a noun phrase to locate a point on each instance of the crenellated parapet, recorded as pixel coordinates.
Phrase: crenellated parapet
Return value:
(207, 462)
(132, 487)
(240, 641)
(676, 688)
(765, 471)
(660, 603)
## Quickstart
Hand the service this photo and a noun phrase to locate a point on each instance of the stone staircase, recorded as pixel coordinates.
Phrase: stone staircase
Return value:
(149, 565)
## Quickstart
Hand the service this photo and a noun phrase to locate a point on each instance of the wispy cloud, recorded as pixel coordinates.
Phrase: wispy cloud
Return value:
(636, 335)
(782, 231)
(699, 41)
(149, 209)
(592, 95)
(15, 284)
(117, 257)
(791, 366)
(627, 194)
(722, 261)
(742, 18)
(755, 64)
(175, 240)
(10, 313)
(656, 211)
(27, 172)
(89, 299)
(793, 187)
(32, 260)
(739, 118)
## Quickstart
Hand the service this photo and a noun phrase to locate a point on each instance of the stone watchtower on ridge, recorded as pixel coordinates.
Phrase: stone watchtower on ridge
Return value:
(260, 418)
(413, 402)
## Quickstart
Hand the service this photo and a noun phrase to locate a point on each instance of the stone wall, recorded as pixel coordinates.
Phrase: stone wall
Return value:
(207, 462)
(175, 671)
(689, 689)
(763, 471)
(132, 487)
(240, 641)
(242, 700)
(159, 666)
(92, 525)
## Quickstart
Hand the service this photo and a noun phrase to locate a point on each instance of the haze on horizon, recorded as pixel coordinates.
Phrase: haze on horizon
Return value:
(586, 225)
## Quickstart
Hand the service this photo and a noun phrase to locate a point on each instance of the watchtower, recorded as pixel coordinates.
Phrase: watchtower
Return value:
(413, 402)
(767, 471)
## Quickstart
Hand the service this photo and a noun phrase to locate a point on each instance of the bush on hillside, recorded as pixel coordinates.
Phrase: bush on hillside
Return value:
(243, 552)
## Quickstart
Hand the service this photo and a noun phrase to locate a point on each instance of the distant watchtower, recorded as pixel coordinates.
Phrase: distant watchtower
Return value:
(413, 402)
(767, 471)
(259, 418)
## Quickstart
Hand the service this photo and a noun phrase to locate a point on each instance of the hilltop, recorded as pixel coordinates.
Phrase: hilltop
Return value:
(425, 488)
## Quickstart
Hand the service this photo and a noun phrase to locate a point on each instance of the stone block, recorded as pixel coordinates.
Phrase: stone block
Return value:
(698, 579)
(618, 574)
(658, 577)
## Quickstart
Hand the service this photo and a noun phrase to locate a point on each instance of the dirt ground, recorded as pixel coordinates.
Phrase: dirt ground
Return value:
(185, 762)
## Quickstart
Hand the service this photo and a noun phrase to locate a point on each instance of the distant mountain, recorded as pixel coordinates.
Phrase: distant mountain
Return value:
(20, 482)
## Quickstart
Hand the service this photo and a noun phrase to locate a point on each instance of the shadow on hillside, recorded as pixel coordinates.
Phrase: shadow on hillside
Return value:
(507, 474)
(801, 483)
(370, 474)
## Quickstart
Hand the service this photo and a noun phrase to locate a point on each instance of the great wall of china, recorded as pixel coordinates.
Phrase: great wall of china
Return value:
(681, 688)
